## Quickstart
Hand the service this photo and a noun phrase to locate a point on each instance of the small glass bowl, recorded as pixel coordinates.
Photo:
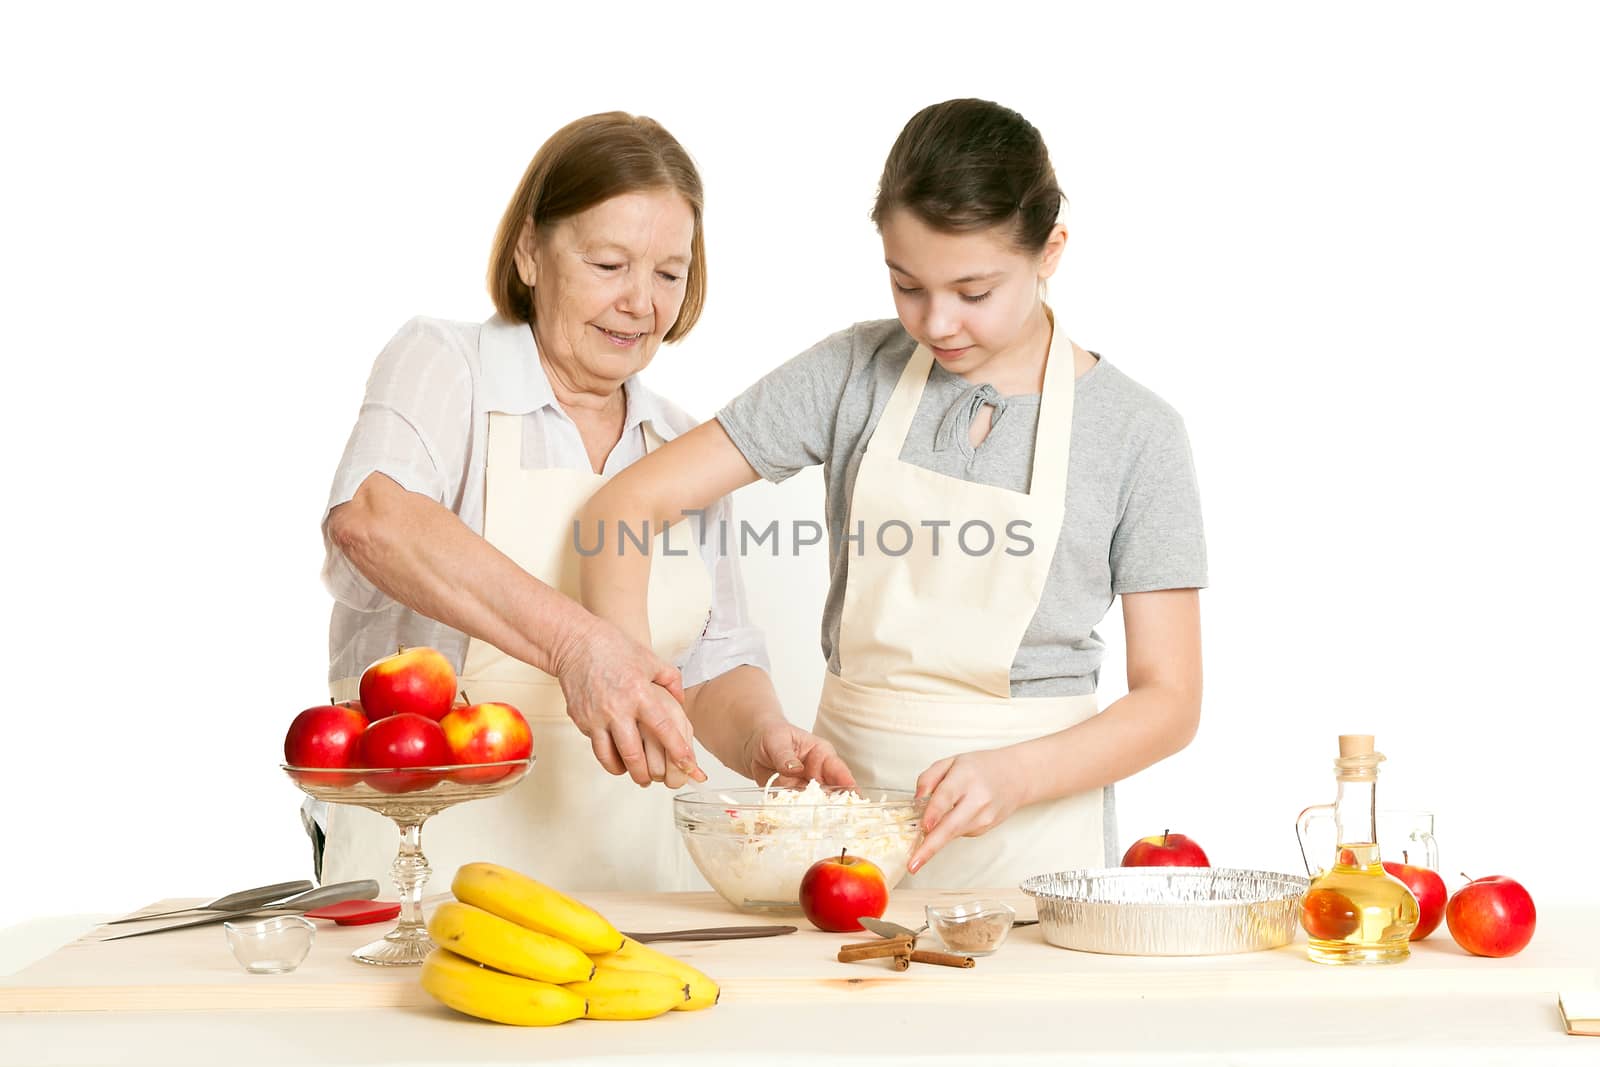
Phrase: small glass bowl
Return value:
(271, 946)
(973, 927)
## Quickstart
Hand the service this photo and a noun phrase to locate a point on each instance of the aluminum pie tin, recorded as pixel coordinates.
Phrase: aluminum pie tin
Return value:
(1167, 911)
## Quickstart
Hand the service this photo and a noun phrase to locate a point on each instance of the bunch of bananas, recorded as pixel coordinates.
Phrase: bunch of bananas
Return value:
(516, 951)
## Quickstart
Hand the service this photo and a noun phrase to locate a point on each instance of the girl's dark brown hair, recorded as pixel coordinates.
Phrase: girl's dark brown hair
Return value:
(966, 165)
(582, 164)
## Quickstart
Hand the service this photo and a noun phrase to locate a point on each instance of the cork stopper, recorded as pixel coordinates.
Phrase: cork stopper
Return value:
(1355, 745)
(1358, 760)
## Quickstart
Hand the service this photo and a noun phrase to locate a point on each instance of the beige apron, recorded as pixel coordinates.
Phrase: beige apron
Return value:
(568, 823)
(927, 637)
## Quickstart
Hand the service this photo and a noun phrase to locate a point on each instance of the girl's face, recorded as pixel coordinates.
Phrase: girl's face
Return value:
(971, 298)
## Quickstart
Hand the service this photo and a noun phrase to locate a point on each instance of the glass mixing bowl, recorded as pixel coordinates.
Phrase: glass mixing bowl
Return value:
(754, 845)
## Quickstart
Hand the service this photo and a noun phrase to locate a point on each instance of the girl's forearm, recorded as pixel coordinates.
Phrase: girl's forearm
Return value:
(729, 710)
(1141, 729)
(613, 572)
(678, 479)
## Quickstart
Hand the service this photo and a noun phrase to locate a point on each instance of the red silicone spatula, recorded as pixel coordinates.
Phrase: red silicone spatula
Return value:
(357, 912)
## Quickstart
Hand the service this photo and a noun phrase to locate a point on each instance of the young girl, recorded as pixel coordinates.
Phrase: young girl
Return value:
(991, 487)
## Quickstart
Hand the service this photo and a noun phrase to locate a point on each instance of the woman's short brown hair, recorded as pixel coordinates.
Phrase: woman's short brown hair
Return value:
(967, 165)
(583, 164)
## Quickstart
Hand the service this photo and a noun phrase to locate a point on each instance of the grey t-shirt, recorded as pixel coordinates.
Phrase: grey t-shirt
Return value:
(1132, 506)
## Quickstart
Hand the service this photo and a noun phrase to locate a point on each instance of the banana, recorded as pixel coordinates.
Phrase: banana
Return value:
(484, 994)
(505, 946)
(632, 956)
(535, 905)
(617, 994)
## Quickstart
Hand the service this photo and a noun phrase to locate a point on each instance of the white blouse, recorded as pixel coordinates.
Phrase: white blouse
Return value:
(424, 423)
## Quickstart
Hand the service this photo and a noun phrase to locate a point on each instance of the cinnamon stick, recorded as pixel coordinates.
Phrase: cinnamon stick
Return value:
(904, 939)
(943, 959)
(902, 962)
(873, 950)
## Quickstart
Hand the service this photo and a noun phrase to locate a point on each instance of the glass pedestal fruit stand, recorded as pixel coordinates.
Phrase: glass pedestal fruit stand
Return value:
(409, 796)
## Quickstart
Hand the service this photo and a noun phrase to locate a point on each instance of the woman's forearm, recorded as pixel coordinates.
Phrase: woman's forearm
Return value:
(422, 555)
(1143, 728)
(729, 710)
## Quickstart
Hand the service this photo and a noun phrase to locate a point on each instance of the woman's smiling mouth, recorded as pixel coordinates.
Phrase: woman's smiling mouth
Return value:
(621, 340)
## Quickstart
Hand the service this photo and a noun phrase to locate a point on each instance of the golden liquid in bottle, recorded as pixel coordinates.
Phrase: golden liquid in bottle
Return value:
(1355, 912)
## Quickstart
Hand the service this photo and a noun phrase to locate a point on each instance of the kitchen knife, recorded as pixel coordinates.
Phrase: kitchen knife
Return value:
(884, 928)
(364, 889)
(244, 898)
(712, 933)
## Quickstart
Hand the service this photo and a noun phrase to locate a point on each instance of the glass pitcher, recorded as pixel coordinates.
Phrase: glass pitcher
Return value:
(1403, 835)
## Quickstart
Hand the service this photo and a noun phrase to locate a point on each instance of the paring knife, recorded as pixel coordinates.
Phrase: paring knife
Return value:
(244, 898)
(712, 933)
(364, 889)
(884, 928)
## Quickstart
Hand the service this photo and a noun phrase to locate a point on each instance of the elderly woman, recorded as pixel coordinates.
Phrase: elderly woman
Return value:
(450, 524)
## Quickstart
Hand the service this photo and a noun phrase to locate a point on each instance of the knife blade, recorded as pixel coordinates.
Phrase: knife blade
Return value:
(712, 933)
(244, 898)
(364, 889)
(885, 928)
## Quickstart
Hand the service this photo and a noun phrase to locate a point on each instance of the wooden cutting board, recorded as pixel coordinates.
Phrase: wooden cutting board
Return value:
(192, 970)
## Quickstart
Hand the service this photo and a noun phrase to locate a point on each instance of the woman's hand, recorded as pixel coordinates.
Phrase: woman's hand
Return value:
(779, 747)
(968, 795)
(628, 703)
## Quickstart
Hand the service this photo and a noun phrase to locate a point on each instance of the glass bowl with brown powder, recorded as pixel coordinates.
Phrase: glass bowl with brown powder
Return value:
(973, 927)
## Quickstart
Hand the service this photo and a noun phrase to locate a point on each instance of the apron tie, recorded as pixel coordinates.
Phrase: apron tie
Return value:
(954, 426)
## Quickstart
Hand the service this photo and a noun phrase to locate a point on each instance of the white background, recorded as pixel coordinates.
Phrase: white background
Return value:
(1355, 247)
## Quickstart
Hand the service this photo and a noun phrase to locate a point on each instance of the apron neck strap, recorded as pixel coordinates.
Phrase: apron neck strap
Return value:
(652, 440)
(1053, 436)
(504, 448)
(895, 422)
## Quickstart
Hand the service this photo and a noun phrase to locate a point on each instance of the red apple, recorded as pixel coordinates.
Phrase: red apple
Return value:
(1428, 888)
(1168, 850)
(485, 733)
(836, 892)
(413, 681)
(324, 736)
(1491, 916)
(401, 741)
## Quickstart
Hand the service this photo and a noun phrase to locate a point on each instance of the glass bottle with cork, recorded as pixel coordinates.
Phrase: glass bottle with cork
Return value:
(1354, 911)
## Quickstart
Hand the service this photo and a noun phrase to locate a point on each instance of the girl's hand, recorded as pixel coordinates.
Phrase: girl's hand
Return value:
(968, 795)
(797, 757)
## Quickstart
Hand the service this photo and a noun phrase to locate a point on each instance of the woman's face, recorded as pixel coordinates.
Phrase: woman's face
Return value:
(969, 297)
(608, 284)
